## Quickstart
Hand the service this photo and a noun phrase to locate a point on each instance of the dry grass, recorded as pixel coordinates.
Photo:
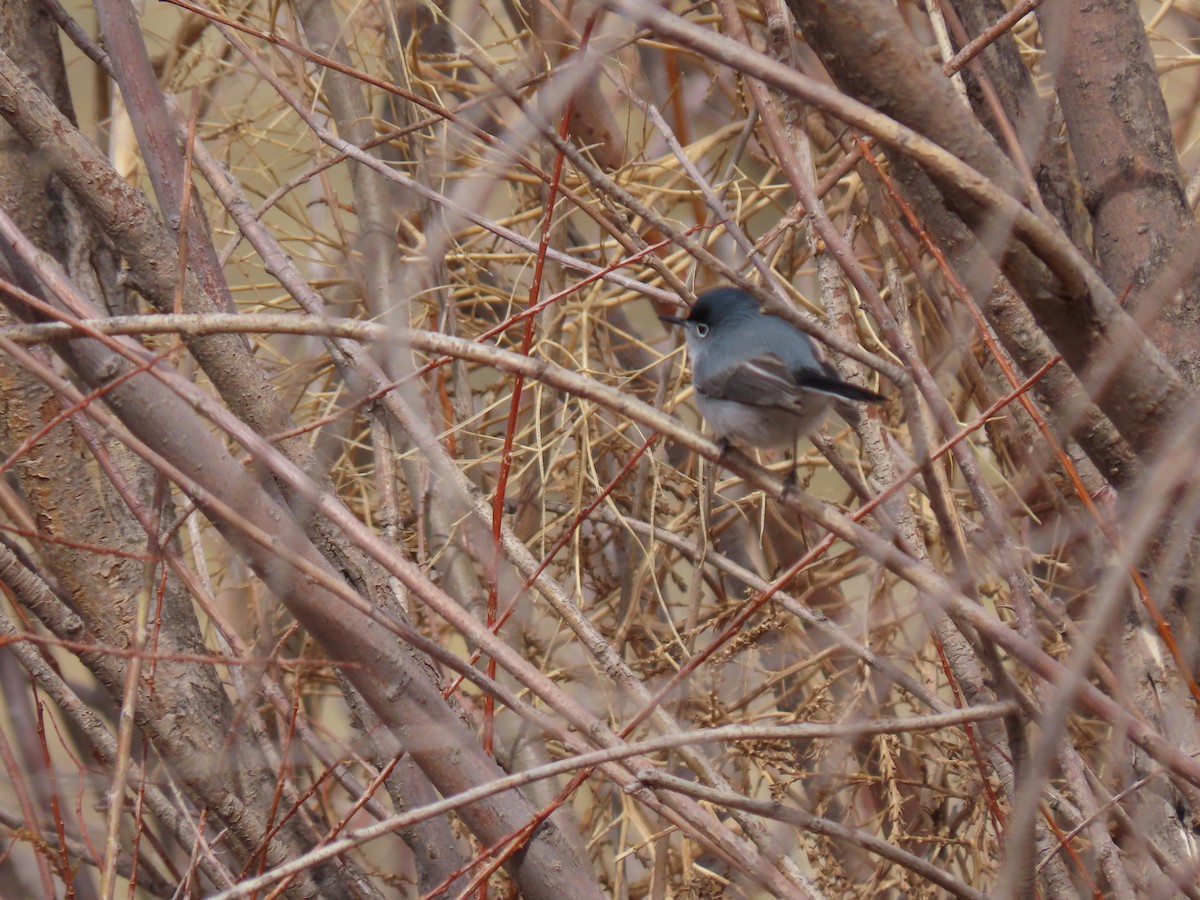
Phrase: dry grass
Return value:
(728, 605)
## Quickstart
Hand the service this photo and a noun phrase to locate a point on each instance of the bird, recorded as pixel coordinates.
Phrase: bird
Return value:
(760, 382)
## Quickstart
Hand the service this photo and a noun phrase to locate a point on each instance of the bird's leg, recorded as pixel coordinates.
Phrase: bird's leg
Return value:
(724, 446)
(790, 484)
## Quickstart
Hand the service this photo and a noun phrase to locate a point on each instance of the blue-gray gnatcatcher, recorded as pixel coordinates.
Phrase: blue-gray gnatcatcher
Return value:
(760, 382)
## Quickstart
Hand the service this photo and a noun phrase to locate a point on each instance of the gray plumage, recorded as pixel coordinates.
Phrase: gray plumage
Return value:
(760, 382)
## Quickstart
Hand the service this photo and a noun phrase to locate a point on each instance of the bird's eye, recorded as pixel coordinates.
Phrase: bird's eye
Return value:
(702, 330)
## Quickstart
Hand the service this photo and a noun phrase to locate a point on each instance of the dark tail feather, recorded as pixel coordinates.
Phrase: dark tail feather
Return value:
(835, 387)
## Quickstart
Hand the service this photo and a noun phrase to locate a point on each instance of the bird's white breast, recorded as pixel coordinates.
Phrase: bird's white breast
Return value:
(760, 428)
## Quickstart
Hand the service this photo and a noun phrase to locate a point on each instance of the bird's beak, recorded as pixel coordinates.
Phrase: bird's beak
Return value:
(672, 320)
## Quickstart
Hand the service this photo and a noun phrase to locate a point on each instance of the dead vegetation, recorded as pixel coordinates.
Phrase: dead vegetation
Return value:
(408, 429)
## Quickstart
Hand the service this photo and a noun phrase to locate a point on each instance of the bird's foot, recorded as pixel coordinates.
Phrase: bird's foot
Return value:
(790, 490)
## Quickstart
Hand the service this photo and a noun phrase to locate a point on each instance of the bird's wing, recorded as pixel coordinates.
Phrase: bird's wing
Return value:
(762, 380)
(765, 380)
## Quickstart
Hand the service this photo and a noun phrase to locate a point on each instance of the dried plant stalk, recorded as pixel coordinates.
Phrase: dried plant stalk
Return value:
(359, 537)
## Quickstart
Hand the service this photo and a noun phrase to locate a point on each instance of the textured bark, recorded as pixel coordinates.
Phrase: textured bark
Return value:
(1120, 135)
(1036, 121)
(149, 408)
(434, 846)
(389, 679)
(1121, 138)
(1139, 395)
(182, 705)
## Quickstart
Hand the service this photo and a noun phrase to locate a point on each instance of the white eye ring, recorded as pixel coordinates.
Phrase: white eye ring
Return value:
(702, 330)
